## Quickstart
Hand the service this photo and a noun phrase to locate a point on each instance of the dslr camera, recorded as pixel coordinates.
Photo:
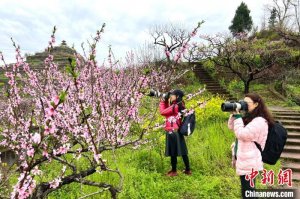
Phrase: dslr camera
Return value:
(154, 93)
(233, 106)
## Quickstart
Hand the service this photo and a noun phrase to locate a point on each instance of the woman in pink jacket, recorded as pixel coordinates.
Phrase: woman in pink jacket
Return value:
(175, 142)
(253, 127)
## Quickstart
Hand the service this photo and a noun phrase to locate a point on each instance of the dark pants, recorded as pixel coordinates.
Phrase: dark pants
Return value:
(245, 184)
(185, 159)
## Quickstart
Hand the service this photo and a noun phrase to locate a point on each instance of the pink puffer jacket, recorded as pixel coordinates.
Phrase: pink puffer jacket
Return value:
(248, 155)
(173, 122)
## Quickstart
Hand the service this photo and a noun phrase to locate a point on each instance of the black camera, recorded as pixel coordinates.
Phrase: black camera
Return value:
(233, 106)
(154, 93)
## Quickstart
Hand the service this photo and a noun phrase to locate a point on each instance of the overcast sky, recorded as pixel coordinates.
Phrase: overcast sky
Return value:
(30, 22)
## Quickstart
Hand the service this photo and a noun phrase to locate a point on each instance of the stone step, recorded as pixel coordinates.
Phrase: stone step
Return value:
(207, 79)
(291, 122)
(214, 87)
(296, 177)
(277, 117)
(217, 89)
(283, 110)
(292, 148)
(295, 166)
(294, 135)
(219, 92)
(293, 157)
(293, 141)
(291, 128)
(291, 114)
(211, 84)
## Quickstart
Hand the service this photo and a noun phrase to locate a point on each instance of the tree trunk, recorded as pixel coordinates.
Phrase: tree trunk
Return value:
(43, 189)
(40, 191)
(246, 86)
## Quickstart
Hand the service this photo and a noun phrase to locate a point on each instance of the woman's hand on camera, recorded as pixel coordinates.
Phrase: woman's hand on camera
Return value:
(163, 99)
(236, 112)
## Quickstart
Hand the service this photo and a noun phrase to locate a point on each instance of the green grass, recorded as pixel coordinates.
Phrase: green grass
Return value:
(295, 89)
(2, 76)
(144, 169)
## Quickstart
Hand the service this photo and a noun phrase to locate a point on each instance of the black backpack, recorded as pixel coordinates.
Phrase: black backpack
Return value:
(188, 125)
(276, 140)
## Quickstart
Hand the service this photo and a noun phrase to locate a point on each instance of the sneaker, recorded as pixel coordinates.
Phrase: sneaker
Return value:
(172, 173)
(187, 172)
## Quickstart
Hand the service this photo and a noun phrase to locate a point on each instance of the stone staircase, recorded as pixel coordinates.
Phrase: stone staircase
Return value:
(212, 85)
(290, 119)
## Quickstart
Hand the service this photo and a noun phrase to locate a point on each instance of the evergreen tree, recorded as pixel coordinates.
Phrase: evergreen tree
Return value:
(242, 20)
(272, 19)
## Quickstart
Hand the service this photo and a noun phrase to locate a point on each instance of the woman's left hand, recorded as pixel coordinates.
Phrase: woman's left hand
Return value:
(237, 111)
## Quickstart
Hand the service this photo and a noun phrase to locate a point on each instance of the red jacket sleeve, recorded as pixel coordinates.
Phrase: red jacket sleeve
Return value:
(167, 110)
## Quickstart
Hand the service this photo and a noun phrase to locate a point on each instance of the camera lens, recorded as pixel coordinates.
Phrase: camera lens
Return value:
(232, 106)
(228, 106)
